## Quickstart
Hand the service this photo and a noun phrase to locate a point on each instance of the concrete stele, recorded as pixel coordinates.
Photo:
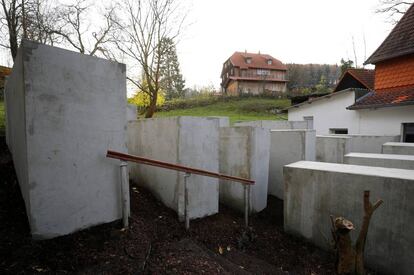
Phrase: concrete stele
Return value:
(332, 148)
(275, 124)
(64, 111)
(400, 148)
(189, 141)
(381, 160)
(315, 190)
(288, 146)
(244, 152)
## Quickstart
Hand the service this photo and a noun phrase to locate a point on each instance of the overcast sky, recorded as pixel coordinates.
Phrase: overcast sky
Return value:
(300, 31)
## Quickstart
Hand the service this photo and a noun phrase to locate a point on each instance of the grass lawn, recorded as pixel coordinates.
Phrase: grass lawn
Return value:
(2, 119)
(247, 109)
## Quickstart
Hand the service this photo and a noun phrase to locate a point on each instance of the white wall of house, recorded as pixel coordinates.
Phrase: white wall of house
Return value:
(385, 120)
(331, 113)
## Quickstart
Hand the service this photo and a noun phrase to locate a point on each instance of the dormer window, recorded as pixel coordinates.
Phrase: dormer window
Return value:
(269, 62)
(248, 60)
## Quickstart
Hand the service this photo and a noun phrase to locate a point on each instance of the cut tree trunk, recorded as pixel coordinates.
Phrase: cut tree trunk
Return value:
(350, 259)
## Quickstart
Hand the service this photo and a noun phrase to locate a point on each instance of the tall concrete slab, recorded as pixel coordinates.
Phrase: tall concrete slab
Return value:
(244, 152)
(64, 111)
(288, 146)
(275, 124)
(370, 143)
(332, 148)
(381, 160)
(316, 190)
(189, 141)
(400, 148)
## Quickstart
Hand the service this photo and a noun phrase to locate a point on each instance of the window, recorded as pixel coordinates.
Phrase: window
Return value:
(248, 60)
(338, 131)
(263, 72)
(408, 132)
(269, 62)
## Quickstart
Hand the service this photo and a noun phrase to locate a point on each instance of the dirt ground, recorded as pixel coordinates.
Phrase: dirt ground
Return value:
(155, 243)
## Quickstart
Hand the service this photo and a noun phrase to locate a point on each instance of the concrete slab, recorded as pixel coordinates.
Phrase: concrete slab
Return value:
(275, 124)
(64, 111)
(131, 112)
(288, 146)
(400, 148)
(244, 152)
(315, 190)
(332, 148)
(190, 141)
(224, 121)
(381, 160)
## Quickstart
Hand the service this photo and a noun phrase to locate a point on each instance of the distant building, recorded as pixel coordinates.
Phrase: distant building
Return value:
(375, 104)
(249, 73)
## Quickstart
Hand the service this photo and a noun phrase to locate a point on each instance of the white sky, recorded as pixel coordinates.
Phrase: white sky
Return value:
(300, 31)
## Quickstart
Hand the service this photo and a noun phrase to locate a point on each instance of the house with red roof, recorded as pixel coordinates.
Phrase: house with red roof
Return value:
(379, 102)
(250, 73)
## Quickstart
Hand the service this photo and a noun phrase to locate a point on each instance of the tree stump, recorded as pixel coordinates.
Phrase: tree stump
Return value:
(349, 257)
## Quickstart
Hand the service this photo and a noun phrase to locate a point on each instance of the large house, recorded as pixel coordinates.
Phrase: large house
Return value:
(250, 73)
(357, 107)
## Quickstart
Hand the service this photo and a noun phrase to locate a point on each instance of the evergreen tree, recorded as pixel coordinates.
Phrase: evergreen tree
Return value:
(172, 81)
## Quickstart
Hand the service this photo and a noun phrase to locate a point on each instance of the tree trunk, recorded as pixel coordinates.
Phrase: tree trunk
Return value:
(152, 107)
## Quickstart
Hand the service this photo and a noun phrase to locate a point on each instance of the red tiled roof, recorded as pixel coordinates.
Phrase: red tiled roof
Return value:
(258, 61)
(399, 42)
(386, 98)
(395, 72)
(364, 76)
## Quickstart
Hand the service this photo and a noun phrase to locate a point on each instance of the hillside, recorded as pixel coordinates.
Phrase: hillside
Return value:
(245, 109)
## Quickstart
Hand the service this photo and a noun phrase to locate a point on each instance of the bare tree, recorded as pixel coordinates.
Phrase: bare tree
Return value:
(11, 24)
(394, 9)
(147, 23)
(76, 27)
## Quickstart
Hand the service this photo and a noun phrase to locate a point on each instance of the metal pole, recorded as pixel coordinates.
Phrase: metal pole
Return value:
(246, 204)
(186, 208)
(125, 193)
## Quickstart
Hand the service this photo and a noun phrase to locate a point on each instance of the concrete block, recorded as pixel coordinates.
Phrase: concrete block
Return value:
(131, 112)
(315, 190)
(224, 121)
(275, 124)
(332, 148)
(64, 111)
(381, 160)
(244, 152)
(288, 146)
(189, 141)
(400, 148)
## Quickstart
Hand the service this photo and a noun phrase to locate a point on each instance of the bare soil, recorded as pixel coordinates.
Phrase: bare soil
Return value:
(155, 243)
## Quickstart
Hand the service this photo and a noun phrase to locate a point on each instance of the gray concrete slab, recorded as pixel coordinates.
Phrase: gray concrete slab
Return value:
(275, 124)
(190, 141)
(288, 146)
(332, 148)
(244, 152)
(400, 148)
(64, 111)
(316, 190)
(131, 112)
(381, 160)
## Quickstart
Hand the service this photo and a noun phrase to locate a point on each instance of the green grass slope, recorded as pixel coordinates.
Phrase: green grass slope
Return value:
(246, 109)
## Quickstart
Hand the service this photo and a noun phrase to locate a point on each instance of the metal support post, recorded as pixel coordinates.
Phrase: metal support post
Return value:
(186, 202)
(125, 193)
(246, 204)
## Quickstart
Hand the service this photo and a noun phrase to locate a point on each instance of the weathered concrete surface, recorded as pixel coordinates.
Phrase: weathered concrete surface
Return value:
(288, 146)
(400, 148)
(381, 160)
(131, 112)
(190, 141)
(224, 121)
(244, 152)
(275, 124)
(64, 110)
(315, 190)
(332, 148)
